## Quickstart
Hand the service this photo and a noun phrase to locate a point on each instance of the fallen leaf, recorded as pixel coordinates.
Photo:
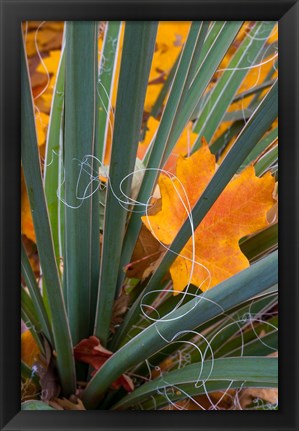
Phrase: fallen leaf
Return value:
(240, 210)
(90, 351)
(250, 396)
(147, 251)
(143, 267)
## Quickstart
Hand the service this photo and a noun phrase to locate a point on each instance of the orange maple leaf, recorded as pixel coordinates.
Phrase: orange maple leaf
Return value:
(240, 210)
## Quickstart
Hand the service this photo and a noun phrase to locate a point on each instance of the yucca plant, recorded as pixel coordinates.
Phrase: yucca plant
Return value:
(170, 334)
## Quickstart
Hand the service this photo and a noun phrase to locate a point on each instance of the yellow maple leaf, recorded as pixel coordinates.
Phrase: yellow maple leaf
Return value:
(240, 210)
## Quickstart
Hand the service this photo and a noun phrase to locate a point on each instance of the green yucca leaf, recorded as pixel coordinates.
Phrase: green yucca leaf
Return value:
(254, 344)
(219, 324)
(27, 374)
(107, 67)
(266, 161)
(200, 53)
(236, 328)
(256, 89)
(263, 346)
(243, 114)
(35, 294)
(224, 296)
(186, 392)
(29, 309)
(29, 317)
(258, 371)
(202, 78)
(223, 93)
(193, 69)
(52, 169)
(139, 43)
(81, 258)
(237, 332)
(270, 74)
(263, 242)
(33, 179)
(220, 143)
(157, 106)
(265, 142)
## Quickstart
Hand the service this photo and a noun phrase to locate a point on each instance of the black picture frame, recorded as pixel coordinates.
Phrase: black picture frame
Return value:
(15, 11)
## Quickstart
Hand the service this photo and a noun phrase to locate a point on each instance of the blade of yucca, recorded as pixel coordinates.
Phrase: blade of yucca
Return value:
(209, 329)
(271, 74)
(188, 391)
(266, 161)
(82, 241)
(213, 32)
(193, 69)
(265, 142)
(258, 371)
(202, 78)
(243, 114)
(237, 289)
(157, 106)
(239, 329)
(254, 129)
(107, 67)
(255, 246)
(256, 346)
(53, 157)
(138, 48)
(198, 54)
(172, 120)
(256, 89)
(35, 295)
(28, 374)
(30, 319)
(223, 93)
(220, 143)
(33, 179)
(170, 304)
(29, 309)
(31, 327)
(161, 138)
(266, 345)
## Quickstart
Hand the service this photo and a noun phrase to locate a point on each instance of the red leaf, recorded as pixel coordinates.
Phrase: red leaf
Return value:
(90, 351)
